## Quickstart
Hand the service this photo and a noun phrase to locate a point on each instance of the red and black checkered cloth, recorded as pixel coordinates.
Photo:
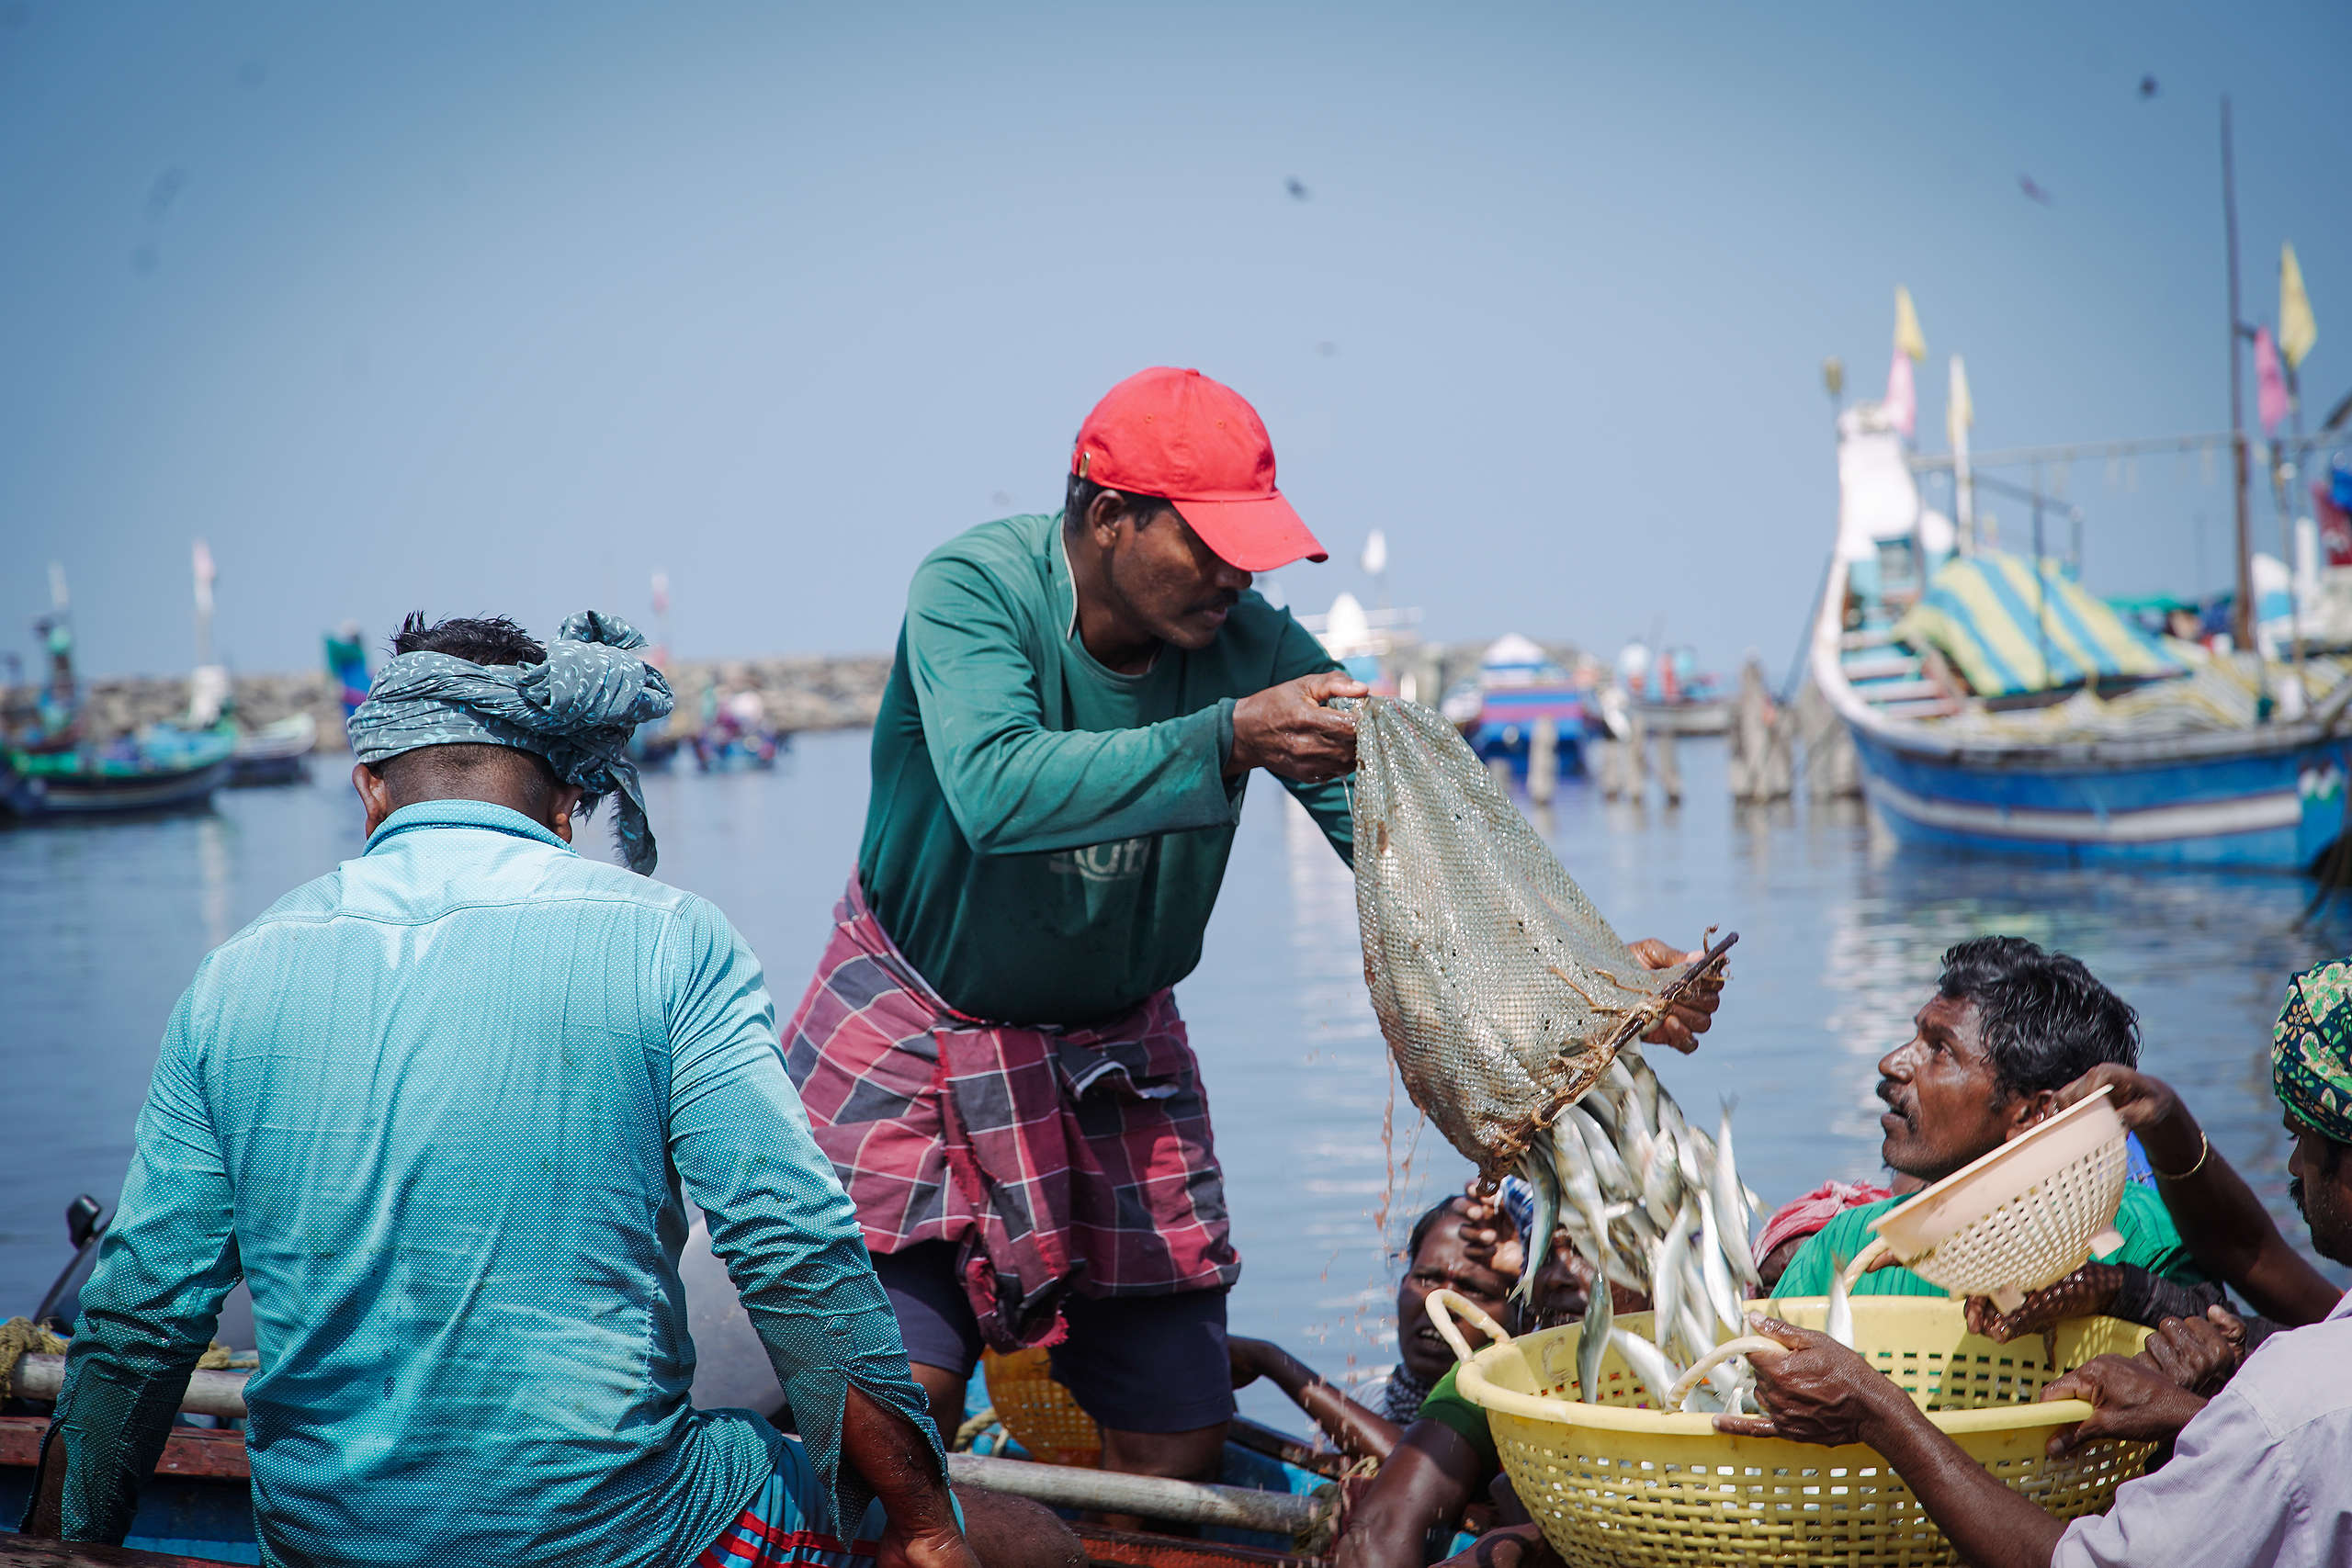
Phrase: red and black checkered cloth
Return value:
(1056, 1159)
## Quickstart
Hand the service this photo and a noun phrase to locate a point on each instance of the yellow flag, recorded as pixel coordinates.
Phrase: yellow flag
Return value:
(1960, 409)
(2297, 330)
(1907, 336)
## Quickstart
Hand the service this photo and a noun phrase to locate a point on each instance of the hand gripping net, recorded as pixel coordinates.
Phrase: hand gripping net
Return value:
(1502, 992)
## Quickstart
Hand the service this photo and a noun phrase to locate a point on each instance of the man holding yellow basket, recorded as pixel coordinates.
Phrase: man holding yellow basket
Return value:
(2259, 1473)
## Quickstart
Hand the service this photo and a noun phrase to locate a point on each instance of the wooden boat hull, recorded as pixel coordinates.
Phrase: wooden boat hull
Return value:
(56, 797)
(2276, 806)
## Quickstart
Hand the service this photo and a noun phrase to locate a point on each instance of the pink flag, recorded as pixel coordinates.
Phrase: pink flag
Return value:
(1901, 399)
(2269, 386)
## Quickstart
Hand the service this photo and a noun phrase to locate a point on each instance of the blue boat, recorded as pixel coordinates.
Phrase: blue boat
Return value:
(2105, 746)
(1518, 685)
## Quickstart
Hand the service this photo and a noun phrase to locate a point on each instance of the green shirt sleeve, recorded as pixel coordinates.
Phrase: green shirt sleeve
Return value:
(2150, 1238)
(789, 1234)
(1015, 787)
(1447, 1406)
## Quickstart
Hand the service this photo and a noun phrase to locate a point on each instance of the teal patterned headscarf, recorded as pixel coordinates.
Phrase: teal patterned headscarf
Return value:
(2310, 1051)
(578, 710)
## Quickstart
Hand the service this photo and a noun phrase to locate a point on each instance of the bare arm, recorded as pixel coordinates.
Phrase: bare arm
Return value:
(2221, 1221)
(1426, 1482)
(1359, 1432)
(902, 1467)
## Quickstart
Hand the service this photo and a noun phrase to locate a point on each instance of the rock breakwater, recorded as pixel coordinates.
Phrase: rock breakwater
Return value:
(803, 692)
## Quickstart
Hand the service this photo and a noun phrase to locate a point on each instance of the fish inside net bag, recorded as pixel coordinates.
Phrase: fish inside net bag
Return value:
(1506, 999)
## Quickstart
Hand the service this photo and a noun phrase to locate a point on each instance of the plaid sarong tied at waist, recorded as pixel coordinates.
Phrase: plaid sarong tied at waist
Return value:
(1056, 1159)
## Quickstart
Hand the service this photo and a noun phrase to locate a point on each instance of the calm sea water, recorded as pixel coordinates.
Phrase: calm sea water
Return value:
(101, 926)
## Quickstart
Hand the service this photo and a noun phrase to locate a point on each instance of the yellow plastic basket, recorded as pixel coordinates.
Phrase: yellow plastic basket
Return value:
(1621, 1485)
(1038, 1413)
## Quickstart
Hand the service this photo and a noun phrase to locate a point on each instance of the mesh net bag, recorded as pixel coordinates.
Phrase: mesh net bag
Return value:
(1502, 992)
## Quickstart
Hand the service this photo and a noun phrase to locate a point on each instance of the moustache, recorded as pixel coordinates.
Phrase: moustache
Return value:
(2295, 1196)
(1886, 1091)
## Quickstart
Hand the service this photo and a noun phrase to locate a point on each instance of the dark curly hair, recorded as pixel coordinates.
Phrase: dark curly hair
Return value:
(468, 769)
(2044, 1019)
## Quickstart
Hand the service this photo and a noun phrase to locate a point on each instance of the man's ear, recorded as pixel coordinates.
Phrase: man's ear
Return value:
(1104, 515)
(2028, 1109)
(374, 795)
(561, 806)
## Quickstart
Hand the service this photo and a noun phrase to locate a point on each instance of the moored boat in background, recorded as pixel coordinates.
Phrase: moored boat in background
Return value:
(2114, 749)
(276, 753)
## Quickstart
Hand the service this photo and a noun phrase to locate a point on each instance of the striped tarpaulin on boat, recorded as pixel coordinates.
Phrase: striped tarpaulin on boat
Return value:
(1993, 618)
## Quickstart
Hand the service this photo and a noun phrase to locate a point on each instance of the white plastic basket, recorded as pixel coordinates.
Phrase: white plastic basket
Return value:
(2024, 1216)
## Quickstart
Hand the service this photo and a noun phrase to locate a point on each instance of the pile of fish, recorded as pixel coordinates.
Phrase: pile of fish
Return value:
(1656, 1205)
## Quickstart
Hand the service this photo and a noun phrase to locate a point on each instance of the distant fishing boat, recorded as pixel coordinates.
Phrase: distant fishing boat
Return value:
(1518, 686)
(1996, 707)
(161, 770)
(276, 753)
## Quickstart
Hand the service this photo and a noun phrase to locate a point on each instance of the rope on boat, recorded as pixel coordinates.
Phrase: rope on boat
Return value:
(19, 1335)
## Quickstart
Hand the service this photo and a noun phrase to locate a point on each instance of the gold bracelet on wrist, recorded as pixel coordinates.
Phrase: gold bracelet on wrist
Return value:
(2205, 1147)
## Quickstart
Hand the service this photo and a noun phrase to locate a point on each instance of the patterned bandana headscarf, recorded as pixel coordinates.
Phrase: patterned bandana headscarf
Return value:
(2310, 1051)
(578, 710)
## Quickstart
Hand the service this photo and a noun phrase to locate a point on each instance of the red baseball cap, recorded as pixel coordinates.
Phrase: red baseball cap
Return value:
(1199, 443)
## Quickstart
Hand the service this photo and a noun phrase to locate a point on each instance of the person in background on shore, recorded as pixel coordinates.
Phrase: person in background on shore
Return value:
(2258, 1476)
(2009, 1027)
(990, 1049)
(1438, 1256)
(442, 1109)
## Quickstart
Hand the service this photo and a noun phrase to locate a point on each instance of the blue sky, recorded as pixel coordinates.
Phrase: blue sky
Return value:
(476, 308)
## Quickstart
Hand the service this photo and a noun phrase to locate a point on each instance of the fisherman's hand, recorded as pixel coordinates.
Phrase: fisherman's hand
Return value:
(1287, 731)
(1819, 1393)
(1509, 1546)
(940, 1546)
(2135, 1401)
(2197, 1353)
(1489, 1240)
(2088, 1291)
(1694, 1011)
(2169, 1135)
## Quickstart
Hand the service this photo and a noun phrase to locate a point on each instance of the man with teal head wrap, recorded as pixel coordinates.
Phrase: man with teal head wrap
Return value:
(444, 1109)
(574, 707)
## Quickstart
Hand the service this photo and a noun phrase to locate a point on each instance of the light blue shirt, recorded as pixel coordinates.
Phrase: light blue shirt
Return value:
(2262, 1478)
(441, 1108)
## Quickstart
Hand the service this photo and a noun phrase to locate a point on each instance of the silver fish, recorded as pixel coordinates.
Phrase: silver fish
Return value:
(1535, 1246)
(1592, 1341)
(1661, 1182)
(1606, 1168)
(1731, 1207)
(1665, 1274)
(1840, 1324)
(1646, 1088)
(1722, 1294)
(1649, 1364)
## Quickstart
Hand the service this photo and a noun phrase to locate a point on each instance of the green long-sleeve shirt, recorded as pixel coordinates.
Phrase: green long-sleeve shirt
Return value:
(1045, 837)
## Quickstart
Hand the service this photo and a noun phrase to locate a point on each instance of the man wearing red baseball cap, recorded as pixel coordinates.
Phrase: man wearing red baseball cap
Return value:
(989, 1051)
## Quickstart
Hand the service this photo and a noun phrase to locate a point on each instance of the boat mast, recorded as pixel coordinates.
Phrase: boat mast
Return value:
(2242, 619)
